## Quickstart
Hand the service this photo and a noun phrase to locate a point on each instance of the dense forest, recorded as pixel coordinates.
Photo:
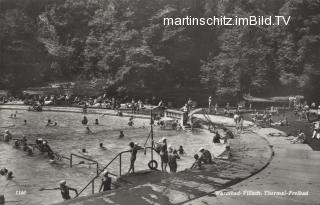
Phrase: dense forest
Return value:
(124, 44)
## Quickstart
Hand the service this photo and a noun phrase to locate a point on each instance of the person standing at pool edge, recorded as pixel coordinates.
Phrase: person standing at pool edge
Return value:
(133, 149)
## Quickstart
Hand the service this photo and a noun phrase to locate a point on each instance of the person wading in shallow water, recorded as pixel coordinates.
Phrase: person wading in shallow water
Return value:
(65, 190)
(84, 120)
(164, 154)
(106, 182)
(173, 161)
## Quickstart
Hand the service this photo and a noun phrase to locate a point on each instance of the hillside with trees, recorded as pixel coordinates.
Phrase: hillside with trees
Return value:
(124, 44)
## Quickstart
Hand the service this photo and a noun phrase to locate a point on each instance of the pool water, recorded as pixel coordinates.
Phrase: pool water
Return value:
(32, 173)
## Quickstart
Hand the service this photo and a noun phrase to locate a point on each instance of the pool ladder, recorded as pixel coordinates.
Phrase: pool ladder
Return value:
(99, 171)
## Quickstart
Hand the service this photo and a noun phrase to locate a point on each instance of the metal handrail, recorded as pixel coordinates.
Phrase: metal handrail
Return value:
(101, 170)
(206, 115)
(88, 159)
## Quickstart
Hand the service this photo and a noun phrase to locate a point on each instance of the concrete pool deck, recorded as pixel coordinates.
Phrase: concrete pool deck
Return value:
(251, 153)
(294, 168)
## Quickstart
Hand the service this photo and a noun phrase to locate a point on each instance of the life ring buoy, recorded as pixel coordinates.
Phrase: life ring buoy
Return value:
(153, 165)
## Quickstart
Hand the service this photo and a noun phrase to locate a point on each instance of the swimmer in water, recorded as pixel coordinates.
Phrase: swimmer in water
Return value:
(84, 151)
(102, 147)
(64, 190)
(121, 135)
(84, 120)
(130, 123)
(48, 149)
(88, 130)
(25, 122)
(10, 175)
(3, 171)
(96, 122)
(7, 136)
(50, 123)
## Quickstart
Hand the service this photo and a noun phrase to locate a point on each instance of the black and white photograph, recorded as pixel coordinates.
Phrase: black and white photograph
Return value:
(159, 102)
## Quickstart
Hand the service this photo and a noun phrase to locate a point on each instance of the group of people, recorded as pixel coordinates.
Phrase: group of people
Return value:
(103, 101)
(40, 144)
(168, 155)
(239, 120)
(6, 173)
(204, 158)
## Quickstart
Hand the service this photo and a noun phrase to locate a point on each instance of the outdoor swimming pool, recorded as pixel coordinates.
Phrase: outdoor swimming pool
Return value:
(35, 172)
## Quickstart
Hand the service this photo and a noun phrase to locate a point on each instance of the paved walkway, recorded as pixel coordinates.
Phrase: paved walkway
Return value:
(294, 171)
(251, 153)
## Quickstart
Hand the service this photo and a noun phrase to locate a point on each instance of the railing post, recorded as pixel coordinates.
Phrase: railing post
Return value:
(70, 160)
(93, 187)
(97, 169)
(120, 164)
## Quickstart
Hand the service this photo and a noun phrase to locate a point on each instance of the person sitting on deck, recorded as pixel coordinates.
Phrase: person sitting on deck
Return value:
(197, 164)
(216, 137)
(301, 138)
(228, 133)
(7, 136)
(206, 156)
(106, 182)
